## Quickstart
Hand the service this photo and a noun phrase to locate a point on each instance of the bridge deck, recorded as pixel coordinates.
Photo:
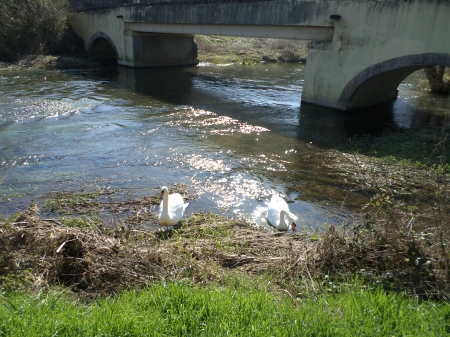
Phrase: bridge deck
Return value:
(277, 32)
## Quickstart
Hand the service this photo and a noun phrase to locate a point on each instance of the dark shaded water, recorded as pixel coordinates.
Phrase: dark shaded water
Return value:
(234, 134)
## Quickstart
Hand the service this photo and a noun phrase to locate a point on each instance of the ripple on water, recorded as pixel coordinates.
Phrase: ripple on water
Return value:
(24, 109)
(211, 123)
(231, 133)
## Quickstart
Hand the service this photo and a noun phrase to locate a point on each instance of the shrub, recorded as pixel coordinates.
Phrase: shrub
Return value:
(31, 26)
(403, 238)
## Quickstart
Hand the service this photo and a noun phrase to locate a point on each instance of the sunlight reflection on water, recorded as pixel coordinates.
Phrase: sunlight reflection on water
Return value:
(235, 135)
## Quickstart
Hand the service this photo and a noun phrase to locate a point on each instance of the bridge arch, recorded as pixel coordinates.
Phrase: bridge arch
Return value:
(102, 48)
(379, 83)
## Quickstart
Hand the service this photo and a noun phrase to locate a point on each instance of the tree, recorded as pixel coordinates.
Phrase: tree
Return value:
(438, 83)
(31, 26)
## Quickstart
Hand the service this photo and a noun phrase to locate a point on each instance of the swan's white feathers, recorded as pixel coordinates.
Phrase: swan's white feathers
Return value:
(279, 215)
(171, 208)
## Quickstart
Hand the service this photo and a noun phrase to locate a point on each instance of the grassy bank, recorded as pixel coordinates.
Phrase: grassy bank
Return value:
(401, 239)
(410, 161)
(232, 50)
(184, 309)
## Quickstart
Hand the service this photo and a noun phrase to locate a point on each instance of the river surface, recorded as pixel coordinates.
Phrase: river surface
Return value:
(234, 134)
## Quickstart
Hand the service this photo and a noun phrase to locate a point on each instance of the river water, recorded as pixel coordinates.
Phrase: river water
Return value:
(233, 134)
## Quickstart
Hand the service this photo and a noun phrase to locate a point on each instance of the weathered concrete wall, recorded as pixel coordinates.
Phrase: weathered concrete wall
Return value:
(376, 44)
(104, 24)
(154, 50)
(274, 12)
(138, 50)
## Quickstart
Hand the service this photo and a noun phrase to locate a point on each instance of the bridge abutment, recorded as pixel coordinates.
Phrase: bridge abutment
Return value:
(105, 37)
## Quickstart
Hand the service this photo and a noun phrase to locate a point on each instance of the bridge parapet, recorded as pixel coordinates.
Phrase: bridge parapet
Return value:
(86, 5)
(83, 5)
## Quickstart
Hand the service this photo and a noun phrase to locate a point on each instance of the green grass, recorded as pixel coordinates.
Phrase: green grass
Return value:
(248, 51)
(423, 147)
(92, 222)
(182, 309)
(66, 203)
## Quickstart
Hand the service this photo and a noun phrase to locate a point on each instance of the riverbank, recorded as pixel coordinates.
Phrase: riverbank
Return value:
(393, 259)
(400, 242)
(208, 275)
(216, 50)
(49, 62)
(211, 49)
(236, 50)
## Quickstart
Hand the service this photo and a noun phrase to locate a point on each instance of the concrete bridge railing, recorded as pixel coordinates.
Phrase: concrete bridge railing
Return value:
(360, 50)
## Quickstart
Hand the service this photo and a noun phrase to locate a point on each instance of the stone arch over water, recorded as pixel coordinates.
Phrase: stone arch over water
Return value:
(379, 82)
(102, 48)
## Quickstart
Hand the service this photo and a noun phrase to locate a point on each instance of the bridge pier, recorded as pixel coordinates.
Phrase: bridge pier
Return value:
(154, 50)
(332, 83)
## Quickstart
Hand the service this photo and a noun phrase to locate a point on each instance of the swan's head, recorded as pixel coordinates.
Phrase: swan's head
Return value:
(163, 190)
(293, 226)
(292, 219)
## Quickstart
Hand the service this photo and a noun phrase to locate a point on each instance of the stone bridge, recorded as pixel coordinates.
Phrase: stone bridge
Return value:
(359, 50)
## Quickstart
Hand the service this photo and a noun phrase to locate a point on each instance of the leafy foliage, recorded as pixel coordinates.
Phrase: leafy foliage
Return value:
(31, 26)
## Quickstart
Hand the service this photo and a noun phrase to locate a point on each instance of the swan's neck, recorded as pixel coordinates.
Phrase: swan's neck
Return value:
(165, 201)
(282, 221)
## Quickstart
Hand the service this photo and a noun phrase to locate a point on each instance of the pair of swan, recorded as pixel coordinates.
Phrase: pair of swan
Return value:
(172, 207)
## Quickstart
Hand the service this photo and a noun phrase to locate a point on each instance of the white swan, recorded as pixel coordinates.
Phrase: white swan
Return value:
(278, 212)
(171, 208)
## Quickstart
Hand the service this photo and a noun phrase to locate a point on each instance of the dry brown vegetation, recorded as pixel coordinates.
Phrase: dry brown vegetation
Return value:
(97, 260)
(83, 254)
(48, 62)
(404, 229)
